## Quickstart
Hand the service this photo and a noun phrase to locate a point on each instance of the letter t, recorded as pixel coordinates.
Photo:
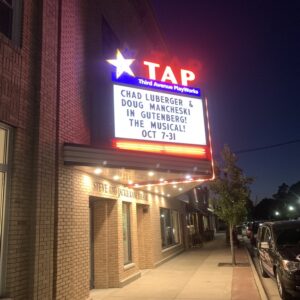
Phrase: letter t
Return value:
(151, 68)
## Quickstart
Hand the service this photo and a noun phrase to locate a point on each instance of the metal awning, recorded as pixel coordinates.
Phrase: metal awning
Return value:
(160, 174)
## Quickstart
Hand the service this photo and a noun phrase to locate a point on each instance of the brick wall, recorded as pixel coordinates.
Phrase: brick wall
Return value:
(45, 155)
(72, 258)
(28, 103)
(74, 103)
(145, 255)
(105, 251)
(14, 94)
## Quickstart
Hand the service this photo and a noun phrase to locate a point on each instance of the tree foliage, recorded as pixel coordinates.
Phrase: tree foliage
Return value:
(231, 192)
(231, 189)
(285, 197)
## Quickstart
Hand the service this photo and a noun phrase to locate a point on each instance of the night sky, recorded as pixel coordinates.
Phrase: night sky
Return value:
(250, 57)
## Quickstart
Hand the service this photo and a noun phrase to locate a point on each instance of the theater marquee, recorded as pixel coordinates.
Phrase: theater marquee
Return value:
(155, 141)
(161, 117)
(155, 116)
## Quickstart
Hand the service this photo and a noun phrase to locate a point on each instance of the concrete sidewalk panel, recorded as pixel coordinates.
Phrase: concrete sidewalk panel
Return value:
(192, 275)
(243, 284)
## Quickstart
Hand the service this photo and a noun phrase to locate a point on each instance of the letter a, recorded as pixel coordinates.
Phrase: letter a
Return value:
(169, 75)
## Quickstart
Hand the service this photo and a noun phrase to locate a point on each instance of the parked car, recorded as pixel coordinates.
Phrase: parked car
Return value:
(278, 245)
(251, 231)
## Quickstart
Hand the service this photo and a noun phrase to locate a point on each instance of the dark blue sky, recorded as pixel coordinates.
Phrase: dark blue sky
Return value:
(250, 56)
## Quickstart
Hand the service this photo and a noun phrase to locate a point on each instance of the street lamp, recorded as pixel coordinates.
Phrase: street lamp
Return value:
(291, 208)
(277, 213)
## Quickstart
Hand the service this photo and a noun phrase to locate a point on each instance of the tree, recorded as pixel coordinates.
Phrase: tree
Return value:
(265, 209)
(231, 191)
(281, 192)
(288, 199)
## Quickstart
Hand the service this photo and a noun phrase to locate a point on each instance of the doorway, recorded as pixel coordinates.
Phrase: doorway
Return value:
(104, 259)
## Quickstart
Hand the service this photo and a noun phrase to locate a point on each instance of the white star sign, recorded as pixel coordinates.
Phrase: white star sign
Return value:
(122, 65)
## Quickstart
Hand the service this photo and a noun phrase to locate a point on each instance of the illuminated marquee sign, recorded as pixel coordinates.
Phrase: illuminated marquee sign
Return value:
(123, 66)
(154, 116)
(158, 116)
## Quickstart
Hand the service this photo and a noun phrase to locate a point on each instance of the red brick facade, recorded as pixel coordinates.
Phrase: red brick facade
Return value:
(28, 104)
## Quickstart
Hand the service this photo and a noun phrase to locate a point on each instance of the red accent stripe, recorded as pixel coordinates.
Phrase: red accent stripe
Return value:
(163, 148)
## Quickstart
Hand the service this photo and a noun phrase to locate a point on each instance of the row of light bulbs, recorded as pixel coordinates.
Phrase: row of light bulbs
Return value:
(98, 171)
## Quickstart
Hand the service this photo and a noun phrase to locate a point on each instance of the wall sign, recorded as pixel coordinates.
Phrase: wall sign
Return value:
(104, 189)
(123, 65)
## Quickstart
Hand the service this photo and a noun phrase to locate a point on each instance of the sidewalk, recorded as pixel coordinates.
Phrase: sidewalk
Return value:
(195, 274)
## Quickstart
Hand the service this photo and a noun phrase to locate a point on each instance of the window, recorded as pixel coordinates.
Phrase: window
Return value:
(267, 236)
(126, 233)
(10, 19)
(4, 168)
(169, 225)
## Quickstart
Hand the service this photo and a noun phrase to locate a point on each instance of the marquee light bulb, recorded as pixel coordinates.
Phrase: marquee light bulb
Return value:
(116, 177)
(98, 171)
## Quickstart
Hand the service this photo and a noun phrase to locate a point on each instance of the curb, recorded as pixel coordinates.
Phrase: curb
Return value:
(257, 280)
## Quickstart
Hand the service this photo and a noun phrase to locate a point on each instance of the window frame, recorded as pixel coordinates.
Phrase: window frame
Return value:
(16, 22)
(164, 237)
(129, 235)
(5, 168)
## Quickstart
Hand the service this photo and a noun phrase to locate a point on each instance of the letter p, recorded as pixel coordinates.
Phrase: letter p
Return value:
(186, 76)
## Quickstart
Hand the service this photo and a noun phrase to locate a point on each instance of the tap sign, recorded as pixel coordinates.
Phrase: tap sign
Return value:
(159, 112)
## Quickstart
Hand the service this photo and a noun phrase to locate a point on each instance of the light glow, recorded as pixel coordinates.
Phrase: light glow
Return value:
(122, 65)
(98, 171)
(168, 74)
(210, 144)
(171, 149)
